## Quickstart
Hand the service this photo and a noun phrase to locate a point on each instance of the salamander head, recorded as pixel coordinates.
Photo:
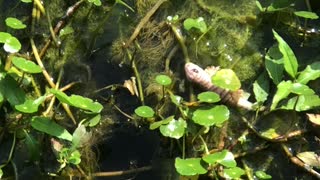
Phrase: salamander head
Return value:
(193, 72)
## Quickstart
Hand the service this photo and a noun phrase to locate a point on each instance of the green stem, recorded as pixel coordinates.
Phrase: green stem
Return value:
(204, 144)
(177, 33)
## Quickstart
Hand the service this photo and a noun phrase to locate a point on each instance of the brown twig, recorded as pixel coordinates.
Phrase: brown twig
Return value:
(119, 173)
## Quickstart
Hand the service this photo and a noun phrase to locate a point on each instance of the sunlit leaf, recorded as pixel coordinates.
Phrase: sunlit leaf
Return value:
(213, 115)
(310, 158)
(176, 99)
(233, 173)
(74, 158)
(94, 121)
(157, 124)
(289, 59)
(224, 157)
(190, 166)
(163, 80)
(261, 88)
(85, 103)
(283, 90)
(15, 23)
(306, 14)
(26, 1)
(30, 105)
(26, 65)
(270, 133)
(302, 103)
(314, 118)
(301, 89)
(226, 79)
(80, 137)
(48, 126)
(311, 72)
(209, 97)
(4, 36)
(195, 23)
(262, 175)
(144, 111)
(174, 129)
(12, 45)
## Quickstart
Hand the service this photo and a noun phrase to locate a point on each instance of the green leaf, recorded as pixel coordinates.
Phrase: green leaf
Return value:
(209, 97)
(213, 115)
(61, 96)
(30, 105)
(261, 88)
(74, 158)
(224, 157)
(12, 45)
(283, 90)
(15, 23)
(189, 167)
(144, 111)
(262, 175)
(1, 173)
(195, 23)
(174, 129)
(85, 103)
(274, 65)
(157, 124)
(302, 103)
(310, 158)
(95, 2)
(66, 31)
(4, 36)
(176, 99)
(94, 121)
(26, 65)
(289, 59)
(301, 89)
(26, 1)
(163, 80)
(11, 91)
(33, 147)
(226, 79)
(48, 126)
(80, 137)
(311, 72)
(306, 14)
(233, 173)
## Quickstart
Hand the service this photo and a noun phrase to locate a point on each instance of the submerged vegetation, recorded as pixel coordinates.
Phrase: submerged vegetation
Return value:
(75, 74)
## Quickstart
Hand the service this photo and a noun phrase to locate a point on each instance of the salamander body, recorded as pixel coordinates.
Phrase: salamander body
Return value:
(202, 77)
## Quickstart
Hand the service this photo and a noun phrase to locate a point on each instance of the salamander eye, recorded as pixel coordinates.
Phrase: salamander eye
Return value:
(195, 70)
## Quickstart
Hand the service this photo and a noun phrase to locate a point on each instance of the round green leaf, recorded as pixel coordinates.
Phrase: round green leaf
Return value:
(189, 167)
(30, 105)
(174, 129)
(209, 97)
(208, 116)
(226, 79)
(4, 36)
(12, 45)
(224, 157)
(262, 175)
(195, 23)
(144, 111)
(15, 23)
(25, 65)
(233, 173)
(74, 158)
(163, 80)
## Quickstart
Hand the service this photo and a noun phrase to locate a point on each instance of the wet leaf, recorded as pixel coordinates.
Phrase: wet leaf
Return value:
(157, 124)
(261, 88)
(48, 126)
(262, 175)
(213, 115)
(26, 65)
(289, 59)
(302, 102)
(233, 173)
(224, 158)
(74, 158)
(311, 72)
(144, 111)
(15, 23)
(190, 166)
(306, 14)
(226, 79)
(314, 118)
(310, 158)
(195, 23)
(283, 90)
(174, 129)
(12, 45)
(209, 97)
(30, 105)
(80, 137)
(163, 80)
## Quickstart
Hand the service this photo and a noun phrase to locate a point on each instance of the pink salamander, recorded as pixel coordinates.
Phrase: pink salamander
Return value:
(202, 77)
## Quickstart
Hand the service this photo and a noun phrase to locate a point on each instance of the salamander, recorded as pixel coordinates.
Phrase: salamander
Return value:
(202, 77)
